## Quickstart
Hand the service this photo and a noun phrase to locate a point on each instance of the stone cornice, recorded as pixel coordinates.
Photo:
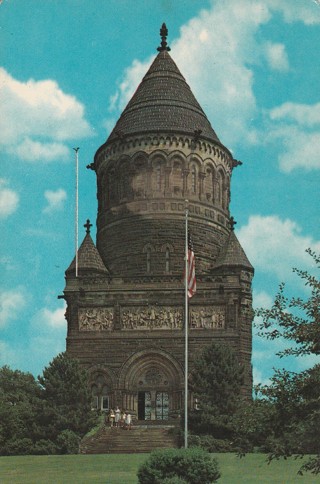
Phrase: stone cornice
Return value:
(164, 140)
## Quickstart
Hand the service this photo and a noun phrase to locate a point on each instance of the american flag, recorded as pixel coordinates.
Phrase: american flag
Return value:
(192, 284)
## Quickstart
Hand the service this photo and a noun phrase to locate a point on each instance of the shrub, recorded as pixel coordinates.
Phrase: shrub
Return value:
(44, 447)
(68, 442)
(22, 446)
(174, 480)
(210, 444)
(189, 465)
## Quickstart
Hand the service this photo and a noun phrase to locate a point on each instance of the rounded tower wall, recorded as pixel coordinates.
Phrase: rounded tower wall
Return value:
(142, 188)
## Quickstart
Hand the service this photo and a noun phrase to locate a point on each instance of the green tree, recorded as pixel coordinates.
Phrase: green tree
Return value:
(216, 381)
(20, 404)
(47, 416)
(295, 319)
(295, 397)
(67, 400)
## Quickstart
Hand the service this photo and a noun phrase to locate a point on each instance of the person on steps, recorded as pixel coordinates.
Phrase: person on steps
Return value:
(111, 418)
(128, 421)
(117, 416)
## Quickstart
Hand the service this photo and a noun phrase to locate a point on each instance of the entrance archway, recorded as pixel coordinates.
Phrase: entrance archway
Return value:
(152, 385)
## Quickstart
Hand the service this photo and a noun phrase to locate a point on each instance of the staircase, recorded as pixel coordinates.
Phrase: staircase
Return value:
(140, 439)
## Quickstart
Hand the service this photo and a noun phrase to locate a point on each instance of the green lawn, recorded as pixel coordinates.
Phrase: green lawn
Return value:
(122, 469)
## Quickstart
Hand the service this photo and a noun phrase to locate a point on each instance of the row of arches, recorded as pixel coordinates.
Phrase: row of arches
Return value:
(164, 141)
(161, 176)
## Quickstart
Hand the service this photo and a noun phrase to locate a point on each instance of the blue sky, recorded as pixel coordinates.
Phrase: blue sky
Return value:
(67, 70)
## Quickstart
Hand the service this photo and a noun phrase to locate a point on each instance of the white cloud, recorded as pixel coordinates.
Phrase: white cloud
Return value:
(276, 246)
(55, 319)
(215, 51)
(55, 200)
(35, 151)
(37, 118)
(301, 150)
(11, 304)
(50, 319)
(301, 114)
(262, 299)
(221, 81)
(44, 338)
(298, 10)
(8, 356)
(276, 56)
(9, 199)
(297, 126)
(47, 336)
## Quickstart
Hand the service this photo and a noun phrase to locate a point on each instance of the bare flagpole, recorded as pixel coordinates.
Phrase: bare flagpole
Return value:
(186, 329)
(76, 208)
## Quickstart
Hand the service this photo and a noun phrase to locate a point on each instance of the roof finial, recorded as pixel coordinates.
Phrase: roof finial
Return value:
(163, 35)
(232, 223)
(87, 226)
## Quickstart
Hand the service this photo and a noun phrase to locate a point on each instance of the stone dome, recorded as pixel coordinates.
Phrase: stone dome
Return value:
(163, 102)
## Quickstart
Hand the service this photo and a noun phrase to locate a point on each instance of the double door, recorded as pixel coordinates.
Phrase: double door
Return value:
(153, 405)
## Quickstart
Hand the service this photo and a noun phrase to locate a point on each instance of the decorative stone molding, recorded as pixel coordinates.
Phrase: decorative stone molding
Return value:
(95, 319)
(151, 318)
(165, 141)
(208, 317)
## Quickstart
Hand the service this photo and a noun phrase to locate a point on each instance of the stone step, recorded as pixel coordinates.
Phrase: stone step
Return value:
(137, 440)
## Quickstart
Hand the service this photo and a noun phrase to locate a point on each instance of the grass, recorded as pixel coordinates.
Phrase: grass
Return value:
(122, 469)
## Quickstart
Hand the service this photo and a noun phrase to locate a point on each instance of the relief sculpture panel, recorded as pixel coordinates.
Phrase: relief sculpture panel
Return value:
(151, 318)
(95, 319)
(208, 318)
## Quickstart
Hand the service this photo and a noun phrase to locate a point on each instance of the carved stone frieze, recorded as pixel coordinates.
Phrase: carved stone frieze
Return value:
(208, 317)
(96, 319)
(151, 318)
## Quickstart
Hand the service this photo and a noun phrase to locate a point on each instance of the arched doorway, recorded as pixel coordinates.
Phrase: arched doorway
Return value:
(152, 385)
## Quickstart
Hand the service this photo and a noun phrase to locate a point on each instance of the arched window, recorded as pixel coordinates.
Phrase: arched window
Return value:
(100, 399)
(147, 251)
(176, 178)
(121, 186)
(110, 186)
(208, 185)
(193, 179)
(219, 188)
(158, 177)
(105, 398)
(167, 259)
(94, 397)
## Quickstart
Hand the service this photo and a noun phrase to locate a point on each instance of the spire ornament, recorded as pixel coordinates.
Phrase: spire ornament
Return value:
(163, 35)
(87, 226)
(232, 223)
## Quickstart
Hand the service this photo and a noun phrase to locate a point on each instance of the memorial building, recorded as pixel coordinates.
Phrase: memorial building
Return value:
(125, 302)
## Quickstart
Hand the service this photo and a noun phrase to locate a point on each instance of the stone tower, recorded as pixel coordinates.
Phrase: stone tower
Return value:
(125, 310)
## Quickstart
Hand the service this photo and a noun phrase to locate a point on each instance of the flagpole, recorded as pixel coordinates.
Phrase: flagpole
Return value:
(186, 329)
(76, 208)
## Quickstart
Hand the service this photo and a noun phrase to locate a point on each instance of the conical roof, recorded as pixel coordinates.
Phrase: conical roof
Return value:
(163, 102)
(232, 254)
(89, 259)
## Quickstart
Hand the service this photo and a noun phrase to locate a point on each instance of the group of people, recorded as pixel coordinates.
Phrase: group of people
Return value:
(120, 419)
